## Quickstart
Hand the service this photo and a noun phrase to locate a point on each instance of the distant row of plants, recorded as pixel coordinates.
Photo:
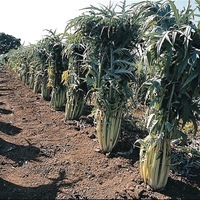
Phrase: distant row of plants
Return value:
(115, 55)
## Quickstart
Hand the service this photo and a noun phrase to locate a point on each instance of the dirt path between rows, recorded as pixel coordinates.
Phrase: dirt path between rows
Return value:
(44, 157)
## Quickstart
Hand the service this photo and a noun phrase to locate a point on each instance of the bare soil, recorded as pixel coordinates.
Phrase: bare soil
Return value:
(42, 156)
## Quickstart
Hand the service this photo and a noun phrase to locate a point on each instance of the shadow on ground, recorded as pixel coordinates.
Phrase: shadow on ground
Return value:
(180, 190)
(1, 95)
(3, 81)
(9, 129)
(18, 153)
(5, 111)
(12, 191)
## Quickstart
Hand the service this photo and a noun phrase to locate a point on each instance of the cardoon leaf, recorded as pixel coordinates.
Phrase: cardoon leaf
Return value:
(176, 13)
(164, 37)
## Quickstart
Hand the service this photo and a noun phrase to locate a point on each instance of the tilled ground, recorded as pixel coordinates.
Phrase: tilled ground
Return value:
(42, 156)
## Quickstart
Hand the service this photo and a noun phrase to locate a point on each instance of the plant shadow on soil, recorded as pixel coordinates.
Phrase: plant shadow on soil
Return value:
(1, 95)
(9, 129)
(180, 190)
(3, 81)
(5, 111)
(18, 153)
(48, 191)
(1, 103)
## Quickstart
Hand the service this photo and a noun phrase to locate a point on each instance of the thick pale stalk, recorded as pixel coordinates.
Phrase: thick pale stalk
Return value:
(45, 91)
(74, 105)
(37, 84)
(166, 161)
(108, 128)
(155, 163)
(58, 98)
(31, 81)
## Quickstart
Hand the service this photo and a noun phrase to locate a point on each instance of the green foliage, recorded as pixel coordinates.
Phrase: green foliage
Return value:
(8, 42)
(176, 52)
(110, 59)
(57, 64)
(172, 52)
(112, 51)
(75, 77)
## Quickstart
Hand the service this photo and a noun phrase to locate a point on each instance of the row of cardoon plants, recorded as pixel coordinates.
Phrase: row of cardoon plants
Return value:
(111, 46)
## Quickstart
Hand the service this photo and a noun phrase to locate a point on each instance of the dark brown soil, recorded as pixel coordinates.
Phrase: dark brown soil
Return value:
(44, 157)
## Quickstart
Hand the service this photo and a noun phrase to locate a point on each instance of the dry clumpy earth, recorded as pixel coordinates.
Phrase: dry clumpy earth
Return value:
(42, 156)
